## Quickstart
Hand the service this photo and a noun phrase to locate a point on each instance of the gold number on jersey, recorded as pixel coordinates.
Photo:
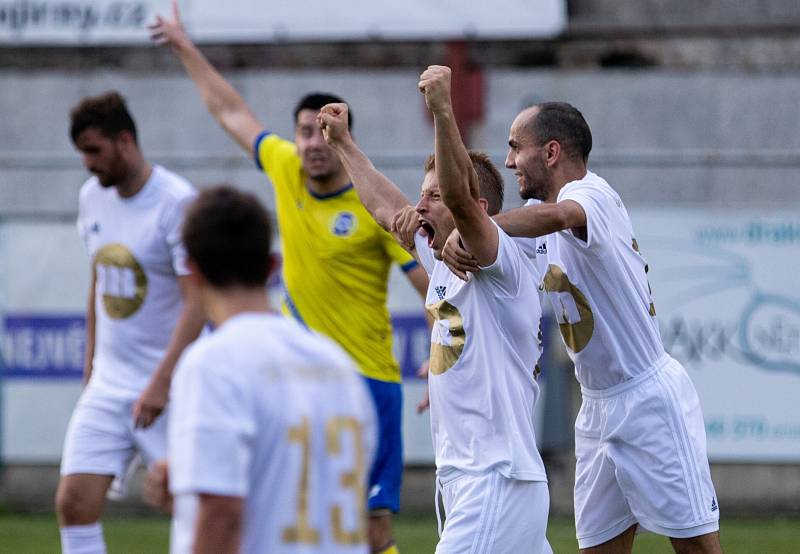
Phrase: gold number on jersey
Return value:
(652, 307)
(573, 312)
(353, 480)
(121, 280)
(448, 337)
(302, 531)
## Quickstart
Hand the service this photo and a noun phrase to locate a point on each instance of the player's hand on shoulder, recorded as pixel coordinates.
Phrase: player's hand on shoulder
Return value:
(151, 403)
(333, 122)
(434, 83)
(457, 259)
(156, 487)
(170, 32)
(405, 225)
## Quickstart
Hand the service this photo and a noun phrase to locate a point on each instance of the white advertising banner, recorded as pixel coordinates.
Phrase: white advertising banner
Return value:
(726, 292)
(98, 22)
(724, 285)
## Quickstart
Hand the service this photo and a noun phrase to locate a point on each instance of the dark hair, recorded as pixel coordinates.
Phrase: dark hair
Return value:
(562, 122)
(316, 100)
(490, 181)
(227, 234)
(107, 112)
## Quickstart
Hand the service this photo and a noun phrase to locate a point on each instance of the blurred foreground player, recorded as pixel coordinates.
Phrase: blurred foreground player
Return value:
(640, 438)
(336, 259)
(271, 429)
(484, 348)
(139, 318)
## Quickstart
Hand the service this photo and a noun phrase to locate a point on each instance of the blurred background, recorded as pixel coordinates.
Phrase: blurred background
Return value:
(695, 112)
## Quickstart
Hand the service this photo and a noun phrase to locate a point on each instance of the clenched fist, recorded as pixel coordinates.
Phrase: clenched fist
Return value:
(434, 83)
(333, 121)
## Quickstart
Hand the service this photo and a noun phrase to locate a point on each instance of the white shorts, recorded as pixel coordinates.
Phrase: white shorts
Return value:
(492, 514)
(641, 458)
(101, 439)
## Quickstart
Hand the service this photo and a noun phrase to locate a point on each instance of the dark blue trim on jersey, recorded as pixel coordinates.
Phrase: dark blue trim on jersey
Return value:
(293, 308)
(261, 136)
(408, 266)
(333, 194)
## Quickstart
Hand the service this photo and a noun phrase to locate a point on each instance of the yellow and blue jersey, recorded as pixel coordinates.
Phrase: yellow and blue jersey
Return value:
(336, 261)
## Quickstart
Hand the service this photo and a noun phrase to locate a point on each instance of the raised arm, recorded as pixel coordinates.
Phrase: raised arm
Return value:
(225, 104)
(382, 198)
(457, 178)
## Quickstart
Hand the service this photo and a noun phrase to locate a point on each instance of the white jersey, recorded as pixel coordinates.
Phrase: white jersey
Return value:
(136, 253)
(599, 289)
(265, 410)
(484, 353)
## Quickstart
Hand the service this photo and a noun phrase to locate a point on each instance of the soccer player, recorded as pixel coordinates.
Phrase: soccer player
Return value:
(271, 429)
(484, 349)
(336, 259)
(639, 437)
(139, 316)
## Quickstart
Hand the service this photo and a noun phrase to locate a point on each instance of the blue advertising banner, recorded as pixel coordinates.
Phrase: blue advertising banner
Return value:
(43, 346)
(52, 346)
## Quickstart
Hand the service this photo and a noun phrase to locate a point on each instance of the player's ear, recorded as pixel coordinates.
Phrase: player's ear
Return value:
(195, 276)
(552, 152)
(273, 264)
(484, 204)
(125, 137)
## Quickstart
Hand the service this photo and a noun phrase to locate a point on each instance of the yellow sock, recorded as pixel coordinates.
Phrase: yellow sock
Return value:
(391, 549)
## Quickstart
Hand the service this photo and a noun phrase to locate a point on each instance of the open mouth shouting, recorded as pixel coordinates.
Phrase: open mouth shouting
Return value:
(429, 231)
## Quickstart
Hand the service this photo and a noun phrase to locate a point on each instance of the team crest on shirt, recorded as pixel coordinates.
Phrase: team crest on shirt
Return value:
(344, 224)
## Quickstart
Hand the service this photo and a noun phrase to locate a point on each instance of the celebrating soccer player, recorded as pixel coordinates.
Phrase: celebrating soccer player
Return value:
(639, 438)
(484, 349)
(139, 318)
(336, 259)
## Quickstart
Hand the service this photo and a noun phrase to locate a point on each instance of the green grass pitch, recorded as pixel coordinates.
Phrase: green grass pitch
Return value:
(416, 534)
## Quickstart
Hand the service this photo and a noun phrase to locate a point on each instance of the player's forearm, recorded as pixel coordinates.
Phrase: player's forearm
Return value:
(537, 221)
(458, 185)
(454, 171)
(222, 100)
(88, 355)
(381, 197)
(189, 325)
(218, 528)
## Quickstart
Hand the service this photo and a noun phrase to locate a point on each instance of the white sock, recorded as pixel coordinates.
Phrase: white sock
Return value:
(83, 539)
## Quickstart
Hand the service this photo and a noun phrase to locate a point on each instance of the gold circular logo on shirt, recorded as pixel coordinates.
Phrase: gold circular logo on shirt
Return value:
(576, 322)
(121, 280)
(448, 339)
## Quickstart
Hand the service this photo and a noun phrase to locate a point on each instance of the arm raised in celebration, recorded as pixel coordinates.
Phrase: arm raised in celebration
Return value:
(455, 173)
(382, 198)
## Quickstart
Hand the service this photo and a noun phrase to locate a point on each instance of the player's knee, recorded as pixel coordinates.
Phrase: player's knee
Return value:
(74, 507)
(704, 544)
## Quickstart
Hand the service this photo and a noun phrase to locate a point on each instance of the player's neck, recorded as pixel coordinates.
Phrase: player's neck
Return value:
(564, 177)
(135, 179)
(223, 304)
(330, 185)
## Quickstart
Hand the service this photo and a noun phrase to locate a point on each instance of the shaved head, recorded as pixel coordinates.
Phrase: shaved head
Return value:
(561, 122)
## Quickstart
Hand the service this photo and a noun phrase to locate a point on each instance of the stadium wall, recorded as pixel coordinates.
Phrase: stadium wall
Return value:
(723, 142)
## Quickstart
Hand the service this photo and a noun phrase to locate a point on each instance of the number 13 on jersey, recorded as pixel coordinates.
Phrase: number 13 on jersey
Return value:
(354, 480)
